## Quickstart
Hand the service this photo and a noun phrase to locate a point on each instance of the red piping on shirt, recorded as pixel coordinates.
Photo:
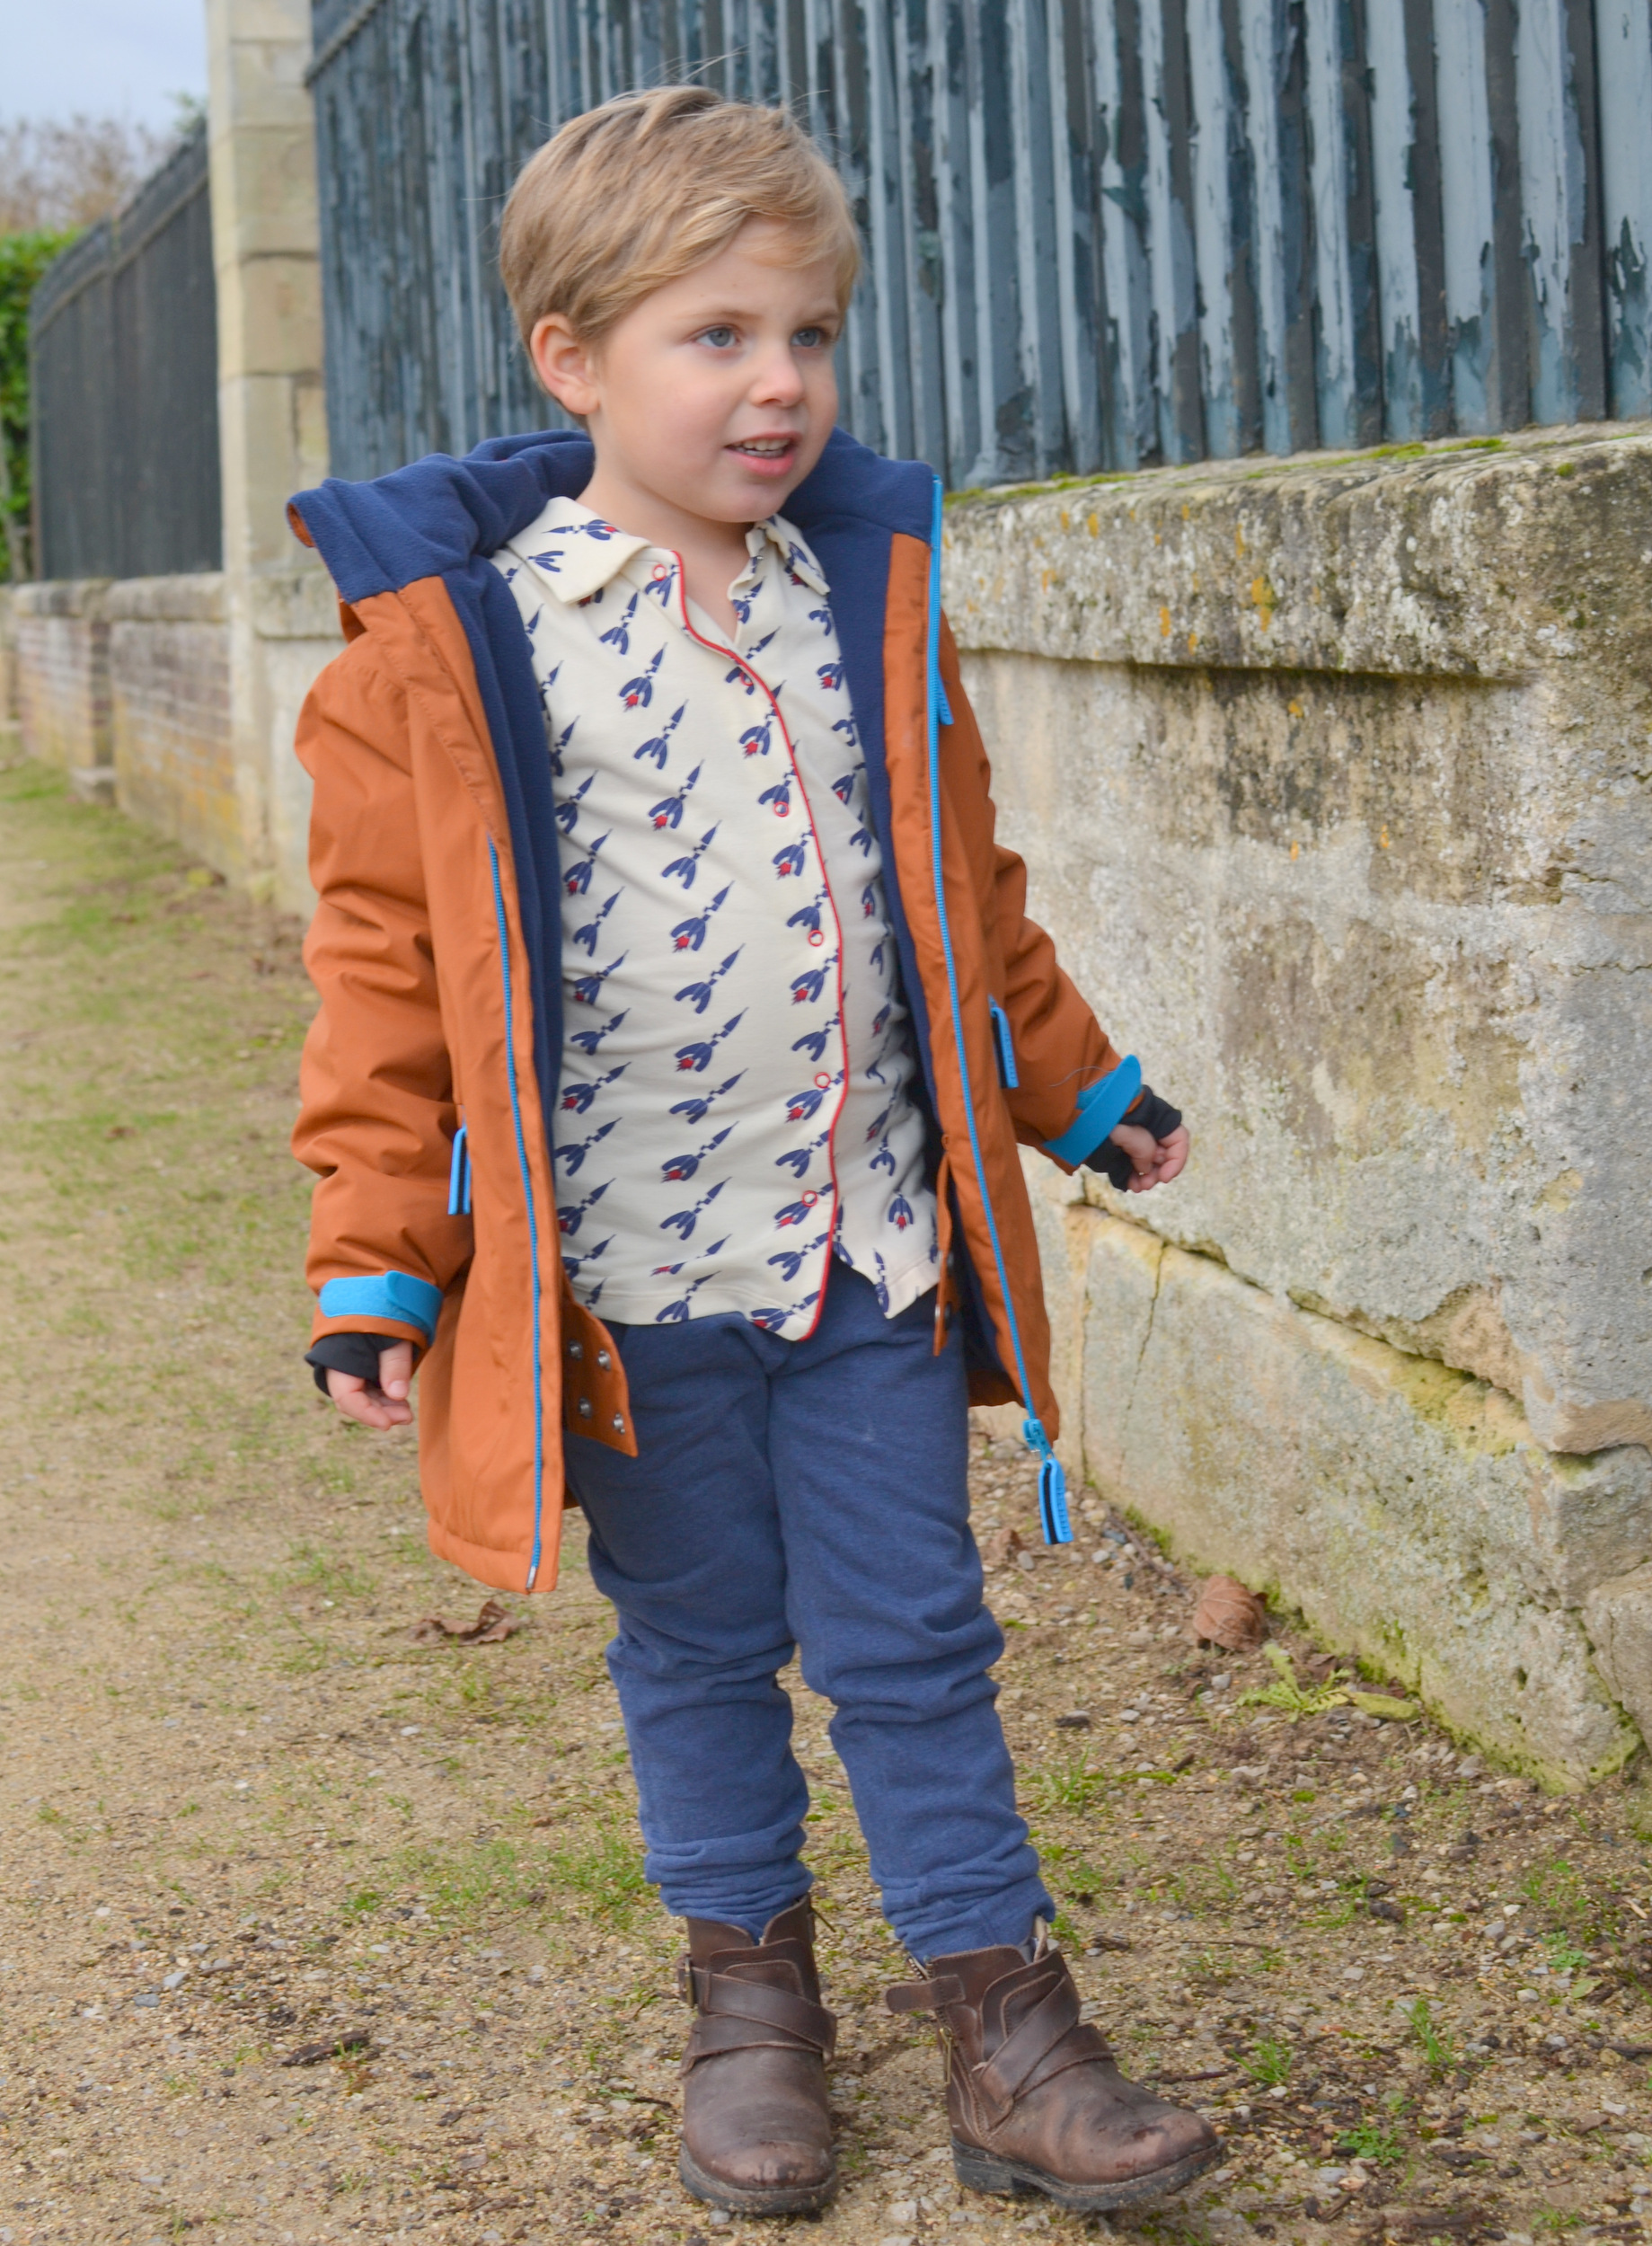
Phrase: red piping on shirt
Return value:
(735, 656)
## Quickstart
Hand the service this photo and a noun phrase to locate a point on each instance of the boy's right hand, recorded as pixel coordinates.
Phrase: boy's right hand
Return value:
(382, 1402)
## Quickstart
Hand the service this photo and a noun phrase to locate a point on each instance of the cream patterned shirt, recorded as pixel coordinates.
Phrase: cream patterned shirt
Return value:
(737, 1065)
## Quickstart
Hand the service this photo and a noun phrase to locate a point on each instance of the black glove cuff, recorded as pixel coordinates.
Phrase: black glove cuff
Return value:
(1153, 1114)
(356, 1354)
(1150, 1113)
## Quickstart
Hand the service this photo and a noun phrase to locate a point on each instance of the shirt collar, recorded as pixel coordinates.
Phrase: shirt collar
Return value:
(575, 553)
(795, 557)
(572, 551)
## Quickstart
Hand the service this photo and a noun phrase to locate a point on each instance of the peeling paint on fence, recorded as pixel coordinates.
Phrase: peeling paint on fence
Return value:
(1100, 232)
(123, 349)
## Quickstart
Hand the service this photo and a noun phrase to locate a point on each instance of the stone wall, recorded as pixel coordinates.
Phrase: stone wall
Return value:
(126, 685)
(59, 636)
(169, 704)
(1335, 779)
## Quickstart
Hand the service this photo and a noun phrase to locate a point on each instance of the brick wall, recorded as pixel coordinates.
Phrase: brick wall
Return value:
(170, 713)
(127, 687)
(60, 641)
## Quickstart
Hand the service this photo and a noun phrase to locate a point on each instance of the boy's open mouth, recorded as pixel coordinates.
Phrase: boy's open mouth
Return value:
(765, 451)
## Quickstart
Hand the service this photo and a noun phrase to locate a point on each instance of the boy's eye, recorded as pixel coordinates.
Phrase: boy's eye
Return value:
(811, 339)
(718, 338)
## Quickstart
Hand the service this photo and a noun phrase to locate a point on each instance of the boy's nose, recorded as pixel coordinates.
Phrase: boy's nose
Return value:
(780, 380)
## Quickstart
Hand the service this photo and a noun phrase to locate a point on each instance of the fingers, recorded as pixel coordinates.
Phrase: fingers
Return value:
(1141, 1147)
(395, 1370)
(1153, 1161)
(1173, 1153)
(368, 1403)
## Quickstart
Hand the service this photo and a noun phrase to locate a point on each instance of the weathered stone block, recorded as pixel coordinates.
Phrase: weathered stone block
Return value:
(1619, 1616)
(1331, 779)
(1388, 1498)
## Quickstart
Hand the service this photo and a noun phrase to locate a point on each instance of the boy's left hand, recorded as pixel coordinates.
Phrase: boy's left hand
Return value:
(1153, 1161)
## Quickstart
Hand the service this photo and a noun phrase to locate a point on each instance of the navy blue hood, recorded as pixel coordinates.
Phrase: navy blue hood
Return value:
(440, 514)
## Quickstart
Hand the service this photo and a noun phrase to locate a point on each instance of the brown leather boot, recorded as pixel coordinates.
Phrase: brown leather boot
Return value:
(756, 2123)
(1036, 2101)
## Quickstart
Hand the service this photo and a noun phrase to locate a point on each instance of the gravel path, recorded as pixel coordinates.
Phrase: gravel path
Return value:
(245, 1819)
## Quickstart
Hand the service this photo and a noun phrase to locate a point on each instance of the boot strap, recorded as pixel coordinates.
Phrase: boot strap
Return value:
(1050, 2039)
(926, 1996)
(730, 2010)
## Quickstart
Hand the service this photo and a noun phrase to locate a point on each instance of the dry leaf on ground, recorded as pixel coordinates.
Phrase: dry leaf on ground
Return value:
(492, 1627)
(1229, 1616)
(1000, 1549)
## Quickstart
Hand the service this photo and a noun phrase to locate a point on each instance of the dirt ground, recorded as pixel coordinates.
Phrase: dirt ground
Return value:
(244, 1815)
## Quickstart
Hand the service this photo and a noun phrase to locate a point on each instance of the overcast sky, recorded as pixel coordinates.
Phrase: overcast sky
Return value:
(107, 58)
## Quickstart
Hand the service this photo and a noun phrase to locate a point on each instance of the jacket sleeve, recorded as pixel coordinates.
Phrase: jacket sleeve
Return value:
(376, 1114)
(1072, 1086)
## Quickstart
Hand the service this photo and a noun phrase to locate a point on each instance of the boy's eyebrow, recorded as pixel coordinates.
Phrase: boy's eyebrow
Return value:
(820, 316)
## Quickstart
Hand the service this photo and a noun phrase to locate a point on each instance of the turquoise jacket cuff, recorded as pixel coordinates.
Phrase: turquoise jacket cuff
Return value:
(1100, 1109)
(387, 1294)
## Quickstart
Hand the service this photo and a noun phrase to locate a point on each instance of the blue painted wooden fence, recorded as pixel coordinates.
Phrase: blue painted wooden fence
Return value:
(1100, 232)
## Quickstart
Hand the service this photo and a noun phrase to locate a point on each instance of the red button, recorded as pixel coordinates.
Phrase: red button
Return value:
(817, 935)
(823, 1082)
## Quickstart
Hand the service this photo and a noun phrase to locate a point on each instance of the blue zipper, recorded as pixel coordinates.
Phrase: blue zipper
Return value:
(1052, 1481)
(532, 1221)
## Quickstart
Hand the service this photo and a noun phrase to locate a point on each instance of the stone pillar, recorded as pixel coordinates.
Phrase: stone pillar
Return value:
(272, 411)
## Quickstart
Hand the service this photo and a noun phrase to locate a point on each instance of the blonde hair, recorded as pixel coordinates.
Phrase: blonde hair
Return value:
(641, 190)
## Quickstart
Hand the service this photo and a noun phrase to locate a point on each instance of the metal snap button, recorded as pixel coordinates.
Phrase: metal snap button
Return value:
(619, 1424)
(584, 1407)
(576, 1349)
(603, 1359)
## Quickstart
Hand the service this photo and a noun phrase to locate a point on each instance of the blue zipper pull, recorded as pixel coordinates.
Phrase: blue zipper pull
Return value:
(1052, 1485)
(459, 1175)
(944, 708)
(1005, 1042)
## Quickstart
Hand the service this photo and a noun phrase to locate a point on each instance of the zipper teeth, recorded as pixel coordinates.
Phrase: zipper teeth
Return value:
(532, 1221)
(933, 674)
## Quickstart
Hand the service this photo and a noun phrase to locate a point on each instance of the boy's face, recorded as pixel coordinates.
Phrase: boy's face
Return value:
(716, 393)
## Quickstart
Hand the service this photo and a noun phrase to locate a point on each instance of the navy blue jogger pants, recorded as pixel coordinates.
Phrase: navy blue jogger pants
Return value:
(808, 1496)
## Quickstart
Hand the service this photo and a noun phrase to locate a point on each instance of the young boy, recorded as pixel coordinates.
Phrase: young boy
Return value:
(679, 1022)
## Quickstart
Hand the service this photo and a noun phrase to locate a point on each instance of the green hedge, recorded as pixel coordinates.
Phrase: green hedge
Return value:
(24, 258)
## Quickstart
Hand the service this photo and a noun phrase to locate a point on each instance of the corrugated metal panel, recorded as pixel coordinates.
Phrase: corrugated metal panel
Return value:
(123, 345)
(1100, 232)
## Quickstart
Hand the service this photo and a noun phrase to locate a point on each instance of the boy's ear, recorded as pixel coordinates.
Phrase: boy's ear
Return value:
(565, 364)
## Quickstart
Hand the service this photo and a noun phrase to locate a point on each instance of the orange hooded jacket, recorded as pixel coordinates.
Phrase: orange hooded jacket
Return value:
(429, 1075)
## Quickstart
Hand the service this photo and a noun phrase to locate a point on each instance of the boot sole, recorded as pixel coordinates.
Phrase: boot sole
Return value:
(977, 2171)
(781, 2199)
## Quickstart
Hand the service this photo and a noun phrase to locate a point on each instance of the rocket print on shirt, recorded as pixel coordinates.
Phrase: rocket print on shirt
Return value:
(736, 1104)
